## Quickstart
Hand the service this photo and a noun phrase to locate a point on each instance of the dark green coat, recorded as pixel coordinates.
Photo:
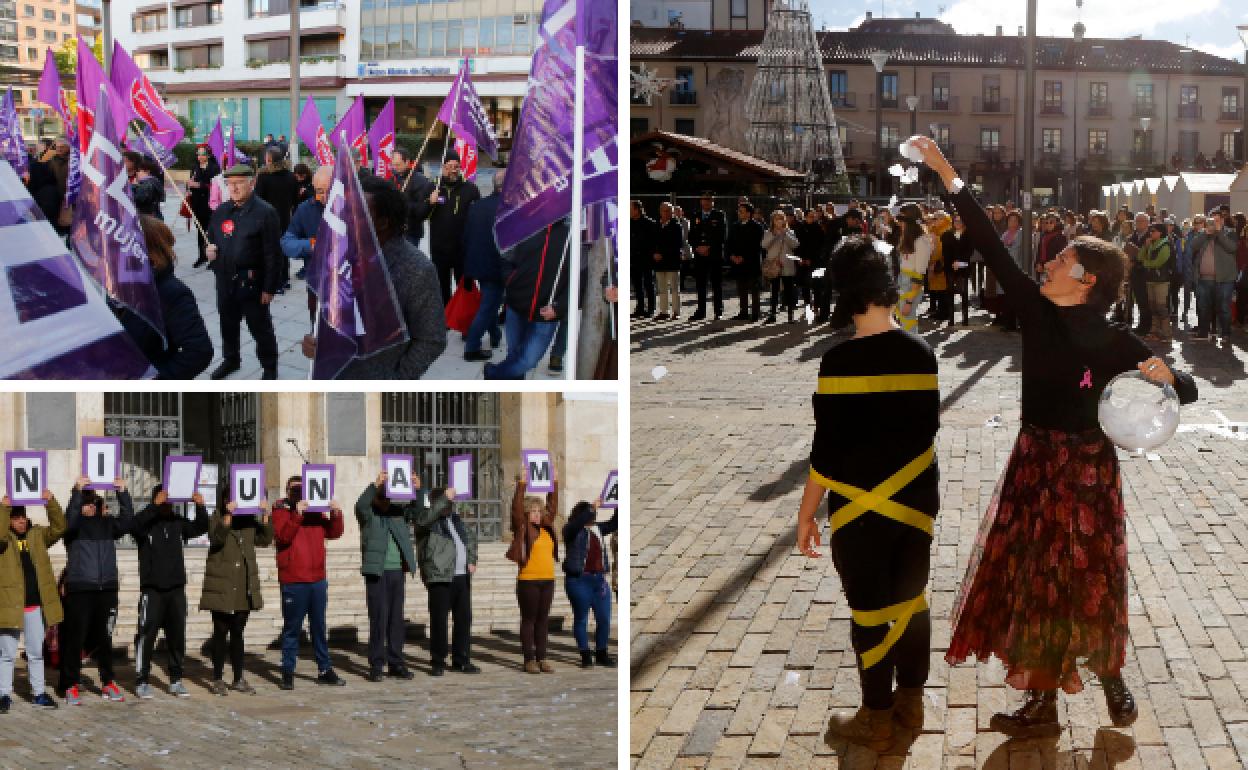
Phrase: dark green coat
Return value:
(13, 579)
(435, 550)
(232, 577)
(375, 532)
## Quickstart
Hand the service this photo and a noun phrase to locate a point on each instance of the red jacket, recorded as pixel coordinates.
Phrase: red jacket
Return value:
(301, 542)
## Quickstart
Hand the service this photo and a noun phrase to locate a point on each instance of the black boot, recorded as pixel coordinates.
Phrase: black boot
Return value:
(1036, 718)
(602, 658)
(1118, 699)
(587, 659)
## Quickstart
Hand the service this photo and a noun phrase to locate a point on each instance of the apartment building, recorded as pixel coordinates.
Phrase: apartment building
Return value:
(27, 29)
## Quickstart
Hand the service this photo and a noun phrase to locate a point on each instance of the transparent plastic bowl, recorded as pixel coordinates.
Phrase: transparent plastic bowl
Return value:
(1138, 414)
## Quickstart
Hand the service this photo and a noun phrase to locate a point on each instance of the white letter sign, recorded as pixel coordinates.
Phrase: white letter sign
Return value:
(539, 471)
(400, 484)
(101, 461)
(247, 488)
(318, 486)
(26, 477)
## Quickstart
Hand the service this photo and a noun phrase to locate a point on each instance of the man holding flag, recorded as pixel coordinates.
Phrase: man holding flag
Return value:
(446, 208)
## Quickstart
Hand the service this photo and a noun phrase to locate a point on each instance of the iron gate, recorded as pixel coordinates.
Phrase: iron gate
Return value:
(434, 426)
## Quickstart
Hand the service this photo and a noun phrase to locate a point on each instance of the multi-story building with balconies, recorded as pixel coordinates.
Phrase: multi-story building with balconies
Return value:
(27, 29)
(1106, 109)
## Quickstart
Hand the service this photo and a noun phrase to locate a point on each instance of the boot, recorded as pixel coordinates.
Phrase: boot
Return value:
(908, 707)
(1036, 718)
(531, 667)
(1118, 698)
(587, 659)
(872, 728)
(603, 658)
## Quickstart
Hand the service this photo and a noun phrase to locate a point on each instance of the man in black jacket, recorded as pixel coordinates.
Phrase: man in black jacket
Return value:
(707, 233)
(745, 248)
(416, 188)
(91, 586)
(160, 532)
(484, 264)
(534, 304)
(446, 208)
(247, 258)
(644, 234)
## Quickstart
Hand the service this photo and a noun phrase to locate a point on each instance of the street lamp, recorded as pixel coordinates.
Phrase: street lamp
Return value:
(1243, 109)
(878, 60)
(913, 103)
(1146, 149)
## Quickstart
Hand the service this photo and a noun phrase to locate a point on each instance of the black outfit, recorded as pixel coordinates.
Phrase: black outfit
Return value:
(417, 194)
(810, 239)
(160, 533)
(535, 265)
(745, 240)
(1138, 281)
(43, 188)
(710, 229)
(861, 440)
(232, 624)
(387, 631)
(303, 191)
(956, 249)
(446, 229)
(249, 262)
(149, 194)
(189, 348)
(644, 233)
(198, 198)
(451, 601)
(278, 188)
(669, 241)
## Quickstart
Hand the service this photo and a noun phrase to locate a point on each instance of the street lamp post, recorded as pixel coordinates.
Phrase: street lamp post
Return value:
(878, 60)
(913, 103)
(1146, 150)
(1243, 107)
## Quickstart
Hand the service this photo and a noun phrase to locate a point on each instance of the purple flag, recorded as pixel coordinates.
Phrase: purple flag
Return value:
(381, 141)
(538, 188)
(358, 314)
(12, 146)
(354, 128)
(106, 233)
(144, 142)
(52, 94)
(216, 143)
(90, 78)
(57, 325)
(143, 100)
(311, 131)
(464, 114)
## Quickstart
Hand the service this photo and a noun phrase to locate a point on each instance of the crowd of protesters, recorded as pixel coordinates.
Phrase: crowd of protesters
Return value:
(783, 253)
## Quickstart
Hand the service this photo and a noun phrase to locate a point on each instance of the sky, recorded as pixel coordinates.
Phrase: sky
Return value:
(1206, 25)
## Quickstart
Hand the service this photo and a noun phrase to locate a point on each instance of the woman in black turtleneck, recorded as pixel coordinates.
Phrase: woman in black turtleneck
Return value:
(1047, 582)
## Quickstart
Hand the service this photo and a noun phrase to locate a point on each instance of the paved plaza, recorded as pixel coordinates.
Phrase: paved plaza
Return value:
(740, 645)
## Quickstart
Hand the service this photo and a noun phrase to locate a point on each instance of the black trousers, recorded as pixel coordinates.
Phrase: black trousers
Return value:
(234, 309)
(231, 624)
(161, 611)
(1139, 294)
(881, 563)
(750, 294)
(449, 273)
(642, 277)
(203, 215)
(89, 616)
(387, 630)
(534, 597)
(453, 599)
(786, 284)
(959, 286)
(709, 271)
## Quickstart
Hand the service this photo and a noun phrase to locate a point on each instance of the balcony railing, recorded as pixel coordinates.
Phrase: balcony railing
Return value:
(890, 153)
(1143, 109)
(1049, 154)
(888, 102)
(1235, 115)
(1143, 158)
(1190, 111)
(929, 103)
(990, 153)
(847, 149)
(1052, 108)
(843, 100)
(1099, 110)
(981, 106)
(1098, 154)
(685, 97)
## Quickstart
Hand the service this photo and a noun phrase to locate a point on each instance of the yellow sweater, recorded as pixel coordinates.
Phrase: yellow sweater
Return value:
(541, 564)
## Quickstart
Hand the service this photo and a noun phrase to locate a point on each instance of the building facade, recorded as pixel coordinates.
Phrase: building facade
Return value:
(27, 29)
(1106, 110)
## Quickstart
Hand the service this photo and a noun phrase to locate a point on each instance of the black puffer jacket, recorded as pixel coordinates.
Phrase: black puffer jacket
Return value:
(447, 219)
(90, 541)
(160, 536)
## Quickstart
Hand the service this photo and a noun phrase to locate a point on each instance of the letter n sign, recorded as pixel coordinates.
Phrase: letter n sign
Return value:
(26, 476)
(247, 488)
(318, 487)
(539, 471)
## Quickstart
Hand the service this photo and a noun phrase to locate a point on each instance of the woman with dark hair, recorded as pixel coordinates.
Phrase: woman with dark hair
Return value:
(914, 250)
(880, 388)
(199, 188)
(1047, 582)
(957, 251)
(585, 570)
(303, 183)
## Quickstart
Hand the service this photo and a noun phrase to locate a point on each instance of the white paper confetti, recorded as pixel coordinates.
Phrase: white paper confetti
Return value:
(896, 169)
(658, 373)
(910, 152)
(883, 247)
(810, 315)
(818, 273)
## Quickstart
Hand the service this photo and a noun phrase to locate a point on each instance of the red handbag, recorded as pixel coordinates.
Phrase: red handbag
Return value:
(463, 306)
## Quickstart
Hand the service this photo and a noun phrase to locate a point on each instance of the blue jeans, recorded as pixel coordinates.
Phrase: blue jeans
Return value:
(1214, 298)
(590, 591)
(299, 601)
(527, 342)
(486, 318)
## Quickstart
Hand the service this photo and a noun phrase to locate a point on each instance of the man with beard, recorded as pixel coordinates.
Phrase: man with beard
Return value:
(160, 532)
(446, 208)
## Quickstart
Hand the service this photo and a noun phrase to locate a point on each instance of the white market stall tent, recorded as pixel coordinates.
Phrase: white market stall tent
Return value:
(1197, 193)
(1107, 197)
(1239, 191)
(1165, 196)
(1152, 187)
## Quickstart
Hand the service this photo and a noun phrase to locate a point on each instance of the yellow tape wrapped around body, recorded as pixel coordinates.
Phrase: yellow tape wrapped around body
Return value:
(898, 614)
(876, 383)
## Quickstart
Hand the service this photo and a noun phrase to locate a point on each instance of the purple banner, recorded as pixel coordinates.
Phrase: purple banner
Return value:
(216, 144)
(145, 143)
(538, 189)
(358, 314)
(143, 101)
(463, 112)
(106, 233)
(353, 128)
(90, 79)
(311, 131)
(12, 146)
(381, 141)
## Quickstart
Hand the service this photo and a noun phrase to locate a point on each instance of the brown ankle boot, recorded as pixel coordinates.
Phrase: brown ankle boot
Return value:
(1036, 718)
(872, 728)
(546, 667)
(531, 667)
(908, 707)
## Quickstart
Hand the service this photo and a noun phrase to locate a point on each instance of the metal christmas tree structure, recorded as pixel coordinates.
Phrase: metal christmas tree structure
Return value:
(789, 107)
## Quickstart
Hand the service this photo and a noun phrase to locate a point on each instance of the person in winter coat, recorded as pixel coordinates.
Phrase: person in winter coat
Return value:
(1157, 257)
(1214, 270)
(446, 208)
(91, 586)
(484, 264)
(299, 240)
(744, 248)
(534, 303)
(415, 187)
(303, 183)
(913, 248)
(535, 548)
(1052, 242)
(937, 268)
(669, 242)
(810, 238)
(160, 532)
(29, 601)
(300, 536)
(585, 571)
(446, 550)
(957, 251)
(779, 244)
(644, 233)
(148, 188)
(232, 588)
(386, 560)
(187, 348)
(199, 189)
(277, 186)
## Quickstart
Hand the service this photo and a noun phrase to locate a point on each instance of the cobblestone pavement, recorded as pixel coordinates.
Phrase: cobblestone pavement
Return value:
(500, 718)
(740, 645)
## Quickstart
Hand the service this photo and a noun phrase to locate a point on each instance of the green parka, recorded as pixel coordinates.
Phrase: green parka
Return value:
(435, 550)
(376, 531)
(13, 579)
(232, 577)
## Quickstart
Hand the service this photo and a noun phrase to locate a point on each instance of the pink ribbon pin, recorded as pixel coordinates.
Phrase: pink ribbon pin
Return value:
(1086, 382)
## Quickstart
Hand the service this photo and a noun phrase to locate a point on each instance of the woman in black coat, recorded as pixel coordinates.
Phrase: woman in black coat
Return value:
(810, 238)
(199, 188)
(744, 248)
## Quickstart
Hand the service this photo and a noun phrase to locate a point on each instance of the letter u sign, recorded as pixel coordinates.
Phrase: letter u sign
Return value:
(247, 488)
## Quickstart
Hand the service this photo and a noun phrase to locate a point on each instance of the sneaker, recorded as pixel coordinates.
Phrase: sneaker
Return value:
(44, 701)
(72, 697)
(144, 691)
(465, 668)
(218, 687)
(400, 672)
(330, 677)
(479, 355)
(112, 692)
(179, 689)
(241, 685)
(288, 680)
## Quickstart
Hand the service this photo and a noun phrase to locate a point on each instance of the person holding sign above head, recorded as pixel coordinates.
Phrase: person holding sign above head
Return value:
(29, 601)
(300, 531)
(232, 586)
(160, 532)
(387, 558)
(585, 579)
(535, 548)
(447, 552)
(91, 584)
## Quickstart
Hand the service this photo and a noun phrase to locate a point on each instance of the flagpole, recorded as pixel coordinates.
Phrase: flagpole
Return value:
(611, 282)
(421, 154)
(446, 146)
(176, 189)
(574, 232)
(316, 324)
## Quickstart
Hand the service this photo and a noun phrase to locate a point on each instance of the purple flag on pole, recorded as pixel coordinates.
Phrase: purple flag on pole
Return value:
(353, 127)
(90, 78)
(106, 233)
(358, 314)
(311, 131)
(144, 142)
(381, 140)
(51, 93)
(143, 100)
(57, 326)
(12, 146)
(538, 188)
(216, 143)
(463, 112)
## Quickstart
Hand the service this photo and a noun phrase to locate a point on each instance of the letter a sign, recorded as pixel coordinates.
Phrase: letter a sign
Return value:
(101, 461)
(247, 488)
(611, 491)
(318, 487)
(26, 475)
(539, 471)
(400, 484)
